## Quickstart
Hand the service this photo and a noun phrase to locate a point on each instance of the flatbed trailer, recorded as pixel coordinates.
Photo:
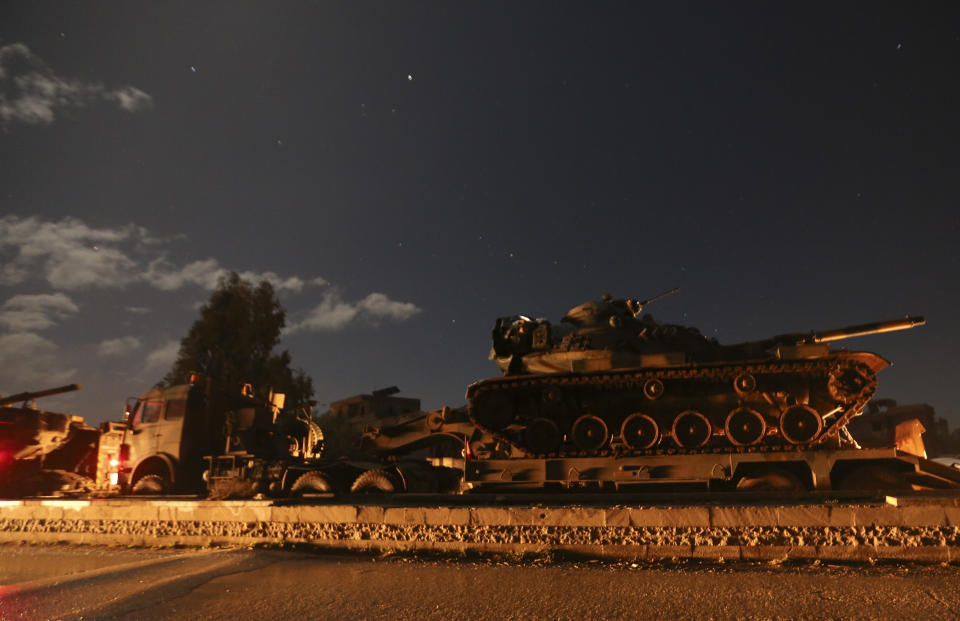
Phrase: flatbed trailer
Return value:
(488, 466)
(814, 469)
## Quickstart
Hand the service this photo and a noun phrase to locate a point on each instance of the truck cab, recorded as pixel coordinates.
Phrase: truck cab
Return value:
(179, 437)
(169, 431)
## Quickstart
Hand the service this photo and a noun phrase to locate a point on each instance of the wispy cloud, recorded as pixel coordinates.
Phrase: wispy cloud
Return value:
(114, 348)
(30, 92)
(290, 283)
(25, 313)
(68, 253)
(379, 306)
(29, 361)
(162, 357)
(334, 313)
(71, 255)
(167, 277)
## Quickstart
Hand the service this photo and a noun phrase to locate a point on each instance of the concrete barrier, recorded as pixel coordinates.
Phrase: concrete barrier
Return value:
(924, 530)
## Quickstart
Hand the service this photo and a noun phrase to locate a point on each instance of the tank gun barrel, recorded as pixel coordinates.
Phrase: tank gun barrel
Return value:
(636, 306)
(865, 329)
(658, 296)
(27, 396)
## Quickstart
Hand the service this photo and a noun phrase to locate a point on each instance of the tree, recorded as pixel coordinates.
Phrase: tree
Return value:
(233, 342)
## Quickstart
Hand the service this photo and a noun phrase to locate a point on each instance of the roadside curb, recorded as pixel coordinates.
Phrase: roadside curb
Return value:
(894, 531)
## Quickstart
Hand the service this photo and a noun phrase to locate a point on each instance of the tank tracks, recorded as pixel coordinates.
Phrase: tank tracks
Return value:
(775, 405)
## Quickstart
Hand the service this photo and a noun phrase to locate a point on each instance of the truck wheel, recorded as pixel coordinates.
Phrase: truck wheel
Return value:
(152, 484)
(311, 483)
(377, 481)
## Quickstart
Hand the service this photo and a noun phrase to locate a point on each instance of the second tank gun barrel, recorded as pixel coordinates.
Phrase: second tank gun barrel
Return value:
(838, 334)
(27, 396)
(865, 329)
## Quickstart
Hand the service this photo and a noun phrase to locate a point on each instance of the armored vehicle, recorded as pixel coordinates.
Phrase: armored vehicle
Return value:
(609, 381)
(44, 452)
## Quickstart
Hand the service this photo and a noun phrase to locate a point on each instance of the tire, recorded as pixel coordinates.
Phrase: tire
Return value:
(311, 483)
(152, 484)
(377, 481)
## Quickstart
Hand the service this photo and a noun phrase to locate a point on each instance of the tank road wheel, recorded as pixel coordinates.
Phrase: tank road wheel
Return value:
(800, 424)
(542, 436)
(377, 481)
(493, 409)
(589, 433)
(653, 389)
(311, 483)
(744, 383)
(691, 429)
(745, 427)
(152, 484)
(640, 432)
(851, 381)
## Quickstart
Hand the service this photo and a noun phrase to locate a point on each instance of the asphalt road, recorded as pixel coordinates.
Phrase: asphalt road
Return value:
(87, 582)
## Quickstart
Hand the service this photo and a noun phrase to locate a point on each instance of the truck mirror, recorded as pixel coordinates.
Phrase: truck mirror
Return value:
(128, 409)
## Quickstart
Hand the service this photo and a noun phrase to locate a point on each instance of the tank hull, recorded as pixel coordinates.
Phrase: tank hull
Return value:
(714, 407)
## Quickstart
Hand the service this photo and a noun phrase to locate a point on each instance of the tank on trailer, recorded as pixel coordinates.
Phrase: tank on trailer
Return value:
(608, 399)
(607, 380)
(44, 452)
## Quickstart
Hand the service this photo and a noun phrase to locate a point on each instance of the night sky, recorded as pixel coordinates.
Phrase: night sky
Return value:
(407, 172)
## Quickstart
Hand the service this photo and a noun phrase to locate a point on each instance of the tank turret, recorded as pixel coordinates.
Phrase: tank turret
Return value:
(608, 379)
(606, 334)
(44, 452)
(27, 432)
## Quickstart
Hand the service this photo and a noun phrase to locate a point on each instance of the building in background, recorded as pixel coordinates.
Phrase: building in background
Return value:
(381, 407)
(879, 423)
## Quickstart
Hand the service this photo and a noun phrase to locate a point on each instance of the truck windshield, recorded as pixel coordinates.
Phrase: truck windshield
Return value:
(147, 412)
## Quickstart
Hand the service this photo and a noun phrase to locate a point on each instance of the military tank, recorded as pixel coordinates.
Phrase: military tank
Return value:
(610, 380)
(44, 452)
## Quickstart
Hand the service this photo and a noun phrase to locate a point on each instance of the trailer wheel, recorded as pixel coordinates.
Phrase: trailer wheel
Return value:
(377, 481)
(152, 484)
(311, 483)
